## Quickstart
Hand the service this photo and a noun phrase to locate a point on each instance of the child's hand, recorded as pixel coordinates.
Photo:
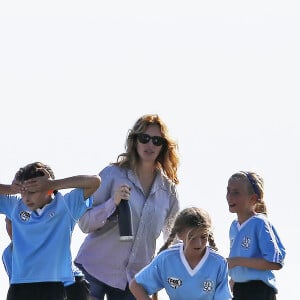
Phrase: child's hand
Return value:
(231, 262)
(38, 184)
(231, 284)
(16, 187)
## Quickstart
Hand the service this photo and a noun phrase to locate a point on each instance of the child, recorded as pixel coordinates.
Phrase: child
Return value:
(255, 247)
(190, 269)
(42, 224)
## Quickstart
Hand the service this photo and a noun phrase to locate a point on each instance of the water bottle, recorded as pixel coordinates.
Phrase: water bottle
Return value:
(125, 223)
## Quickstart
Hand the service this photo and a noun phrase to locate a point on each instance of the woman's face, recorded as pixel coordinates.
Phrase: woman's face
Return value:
(147, 151)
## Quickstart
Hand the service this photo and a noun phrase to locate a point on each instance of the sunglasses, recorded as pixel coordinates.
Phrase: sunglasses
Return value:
(145, 138)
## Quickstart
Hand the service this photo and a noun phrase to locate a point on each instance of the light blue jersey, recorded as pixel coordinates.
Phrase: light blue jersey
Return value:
(255, 238)
(7, 263)
(41, 242)
(171, 271)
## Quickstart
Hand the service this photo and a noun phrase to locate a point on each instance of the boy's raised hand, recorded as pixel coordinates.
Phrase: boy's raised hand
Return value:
(38, 184)
(16, 187)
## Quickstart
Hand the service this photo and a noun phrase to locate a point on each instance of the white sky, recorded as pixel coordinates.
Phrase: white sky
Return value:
(224, 75)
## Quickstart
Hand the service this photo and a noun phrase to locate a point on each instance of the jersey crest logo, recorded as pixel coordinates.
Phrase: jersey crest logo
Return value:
(174, 282)
(25, 215)
(246, 242)
(208, 286)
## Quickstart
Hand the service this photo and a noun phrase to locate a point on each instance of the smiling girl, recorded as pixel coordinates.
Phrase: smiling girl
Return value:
(255, 247)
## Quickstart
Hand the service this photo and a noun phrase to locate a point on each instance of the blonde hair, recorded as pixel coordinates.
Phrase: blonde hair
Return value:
(255, 185)
(191, 217)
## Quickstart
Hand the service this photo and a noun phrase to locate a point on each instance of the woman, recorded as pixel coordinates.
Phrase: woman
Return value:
(146, 175)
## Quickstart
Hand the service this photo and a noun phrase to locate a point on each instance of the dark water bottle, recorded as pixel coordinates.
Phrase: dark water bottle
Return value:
(125, 223)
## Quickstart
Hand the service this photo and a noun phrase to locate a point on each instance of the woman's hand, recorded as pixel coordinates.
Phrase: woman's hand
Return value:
(122, 193)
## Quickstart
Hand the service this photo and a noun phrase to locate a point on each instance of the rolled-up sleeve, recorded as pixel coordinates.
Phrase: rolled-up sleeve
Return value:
(103, 204)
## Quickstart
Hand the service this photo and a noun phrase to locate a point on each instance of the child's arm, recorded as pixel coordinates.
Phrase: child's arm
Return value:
(138, 291)
(89, 184)
(10, 189)
(231, 284)
(252, 262)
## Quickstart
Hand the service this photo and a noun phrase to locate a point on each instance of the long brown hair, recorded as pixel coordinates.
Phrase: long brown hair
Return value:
(167, 160)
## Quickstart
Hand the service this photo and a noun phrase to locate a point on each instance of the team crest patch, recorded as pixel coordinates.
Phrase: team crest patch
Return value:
(208, 286)
(246, 242)
(174, 282)
(25, 215)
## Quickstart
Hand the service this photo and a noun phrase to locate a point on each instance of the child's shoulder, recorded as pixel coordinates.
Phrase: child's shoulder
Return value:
(215, 254)
(13, 198)
(175, 246)
(260, 218)
(172, 250)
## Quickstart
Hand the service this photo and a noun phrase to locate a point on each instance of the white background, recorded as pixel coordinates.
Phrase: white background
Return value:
(224, 75)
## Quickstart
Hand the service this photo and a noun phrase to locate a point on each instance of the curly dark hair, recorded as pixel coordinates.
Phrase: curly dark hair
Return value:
(33, 170)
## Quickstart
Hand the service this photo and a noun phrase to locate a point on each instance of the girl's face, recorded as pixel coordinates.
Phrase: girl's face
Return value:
(35, 200)
(238, 198)
(147, 151)
(195, 241)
